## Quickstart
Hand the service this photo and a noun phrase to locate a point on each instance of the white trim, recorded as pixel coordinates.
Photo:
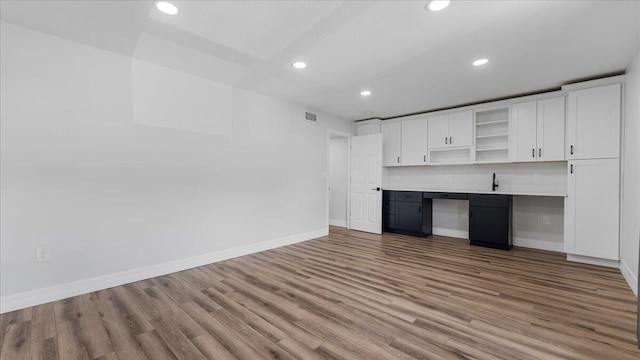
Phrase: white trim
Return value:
(538, 244)
(340, 223)
(450, 233)
(62, 291)
(328, 173)
(595, 83)
(594, 261)
(628, 275)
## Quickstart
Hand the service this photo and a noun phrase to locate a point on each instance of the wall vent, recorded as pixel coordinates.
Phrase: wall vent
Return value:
(310, 116)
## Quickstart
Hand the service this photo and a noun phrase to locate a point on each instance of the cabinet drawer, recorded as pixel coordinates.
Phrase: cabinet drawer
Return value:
(388, 195)
(488, 200)
(439, 195)
(409, 196)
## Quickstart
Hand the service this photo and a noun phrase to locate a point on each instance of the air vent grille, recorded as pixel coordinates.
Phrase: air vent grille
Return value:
(310, 116)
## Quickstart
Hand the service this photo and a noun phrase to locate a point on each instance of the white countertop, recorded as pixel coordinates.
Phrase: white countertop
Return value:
(517, 193)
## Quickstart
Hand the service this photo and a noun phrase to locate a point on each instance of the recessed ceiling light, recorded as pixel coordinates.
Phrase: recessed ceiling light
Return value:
(365, 92)
(167, 7)
(299, 65)
(480, 62)
(437, 5)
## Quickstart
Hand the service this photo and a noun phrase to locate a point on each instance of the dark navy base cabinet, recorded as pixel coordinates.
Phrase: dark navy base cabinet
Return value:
(490, 220)
(405, 212)
(410, 213)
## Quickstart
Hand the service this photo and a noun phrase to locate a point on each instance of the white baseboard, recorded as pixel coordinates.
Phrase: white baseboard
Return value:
(538, 244)
(632, 280)
(450, 232)
(594, 261)
(62, 291)
(341, 223)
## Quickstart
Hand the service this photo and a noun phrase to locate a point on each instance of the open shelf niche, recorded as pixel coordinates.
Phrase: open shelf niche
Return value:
(492, 135)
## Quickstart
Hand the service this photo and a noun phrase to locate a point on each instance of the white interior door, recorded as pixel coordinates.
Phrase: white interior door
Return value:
(366, 183)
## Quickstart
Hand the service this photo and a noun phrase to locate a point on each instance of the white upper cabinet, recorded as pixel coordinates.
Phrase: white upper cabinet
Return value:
(537, 131)
(523, 127)
(593, 123)
(591, 208)
(451, 130)
(438, 131)
(461, 129)
(414, 142)
(391, 144)
(550, 130)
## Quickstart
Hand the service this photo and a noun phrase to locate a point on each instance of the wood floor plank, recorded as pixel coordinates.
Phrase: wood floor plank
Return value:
(45, 350)
(17, 342)
(69, 333)
(154, 346)
(123, 340)
(348, 295)
(94, 336)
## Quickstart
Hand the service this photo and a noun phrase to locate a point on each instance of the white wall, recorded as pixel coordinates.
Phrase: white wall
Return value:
(450, 216)
(115, 164)
(630, 232)
(338, 163)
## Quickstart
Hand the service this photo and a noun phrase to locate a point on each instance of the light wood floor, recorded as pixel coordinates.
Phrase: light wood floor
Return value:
(346, 296)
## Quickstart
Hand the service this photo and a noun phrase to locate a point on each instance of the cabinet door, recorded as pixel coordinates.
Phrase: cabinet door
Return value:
(593, 123)
(409, 216)
(592, 208)
(391, 139)
(550, 129)
(461, 129)
(522, 142)
(414, 142)
(489, 225)
(438, 131)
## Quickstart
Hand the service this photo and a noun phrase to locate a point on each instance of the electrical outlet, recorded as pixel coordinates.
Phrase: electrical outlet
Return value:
(42, 254)
(536, 177)
(545, 220)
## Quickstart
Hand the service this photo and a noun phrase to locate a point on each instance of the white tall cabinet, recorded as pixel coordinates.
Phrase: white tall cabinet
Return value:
(537, 130)
(592, 206)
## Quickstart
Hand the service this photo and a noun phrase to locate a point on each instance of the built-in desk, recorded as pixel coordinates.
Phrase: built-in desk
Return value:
(411, 213)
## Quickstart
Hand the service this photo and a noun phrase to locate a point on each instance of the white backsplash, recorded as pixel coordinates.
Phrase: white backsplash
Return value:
(543, 177)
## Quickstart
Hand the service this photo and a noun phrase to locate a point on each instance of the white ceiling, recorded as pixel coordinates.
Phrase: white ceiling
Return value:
(412, 60)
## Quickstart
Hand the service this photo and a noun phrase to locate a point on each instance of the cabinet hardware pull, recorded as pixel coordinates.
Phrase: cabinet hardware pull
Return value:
(450, 140)
(470, 213)
(533, 152)
(540, 152)
(424, 158)
(398, 159)
(419, 208)
(572, 168)
(445, 140)
(571, 149)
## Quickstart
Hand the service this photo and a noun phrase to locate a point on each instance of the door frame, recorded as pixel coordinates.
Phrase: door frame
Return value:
(342, 134)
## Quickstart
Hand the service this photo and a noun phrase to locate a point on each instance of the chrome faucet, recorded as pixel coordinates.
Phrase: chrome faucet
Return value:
(494, 183)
